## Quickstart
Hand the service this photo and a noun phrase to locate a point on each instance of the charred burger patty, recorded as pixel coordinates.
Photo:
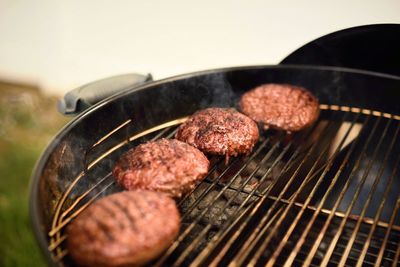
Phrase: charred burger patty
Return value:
(281, 106)
(123, 229)
(221, 131)
(168, 166)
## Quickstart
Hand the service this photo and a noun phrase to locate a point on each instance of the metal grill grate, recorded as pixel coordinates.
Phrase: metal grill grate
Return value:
(329, 195)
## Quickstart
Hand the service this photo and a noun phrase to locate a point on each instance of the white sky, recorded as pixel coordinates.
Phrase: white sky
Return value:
(59, 45)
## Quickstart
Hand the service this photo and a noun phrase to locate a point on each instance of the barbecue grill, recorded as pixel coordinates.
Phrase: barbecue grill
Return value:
(328, 195)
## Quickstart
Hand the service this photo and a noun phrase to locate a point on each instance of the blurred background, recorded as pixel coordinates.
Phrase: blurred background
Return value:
(50, 47)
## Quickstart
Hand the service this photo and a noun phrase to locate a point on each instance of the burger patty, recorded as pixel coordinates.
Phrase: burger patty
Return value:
(168, 166)
(281, 106)
(127, 228)
(221, 131)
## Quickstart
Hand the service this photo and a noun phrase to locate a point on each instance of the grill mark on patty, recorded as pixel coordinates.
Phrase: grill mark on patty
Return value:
(89, 236)
(103, 207)
(111, 246)
(134, 202)
(140, 207)
(126, 212)
(104, 228)
(111, 212)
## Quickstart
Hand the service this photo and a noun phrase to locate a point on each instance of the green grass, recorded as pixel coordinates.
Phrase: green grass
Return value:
(28, 120)
(17, 247)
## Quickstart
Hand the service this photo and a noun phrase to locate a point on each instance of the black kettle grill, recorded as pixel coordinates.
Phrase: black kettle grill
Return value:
(329, 195)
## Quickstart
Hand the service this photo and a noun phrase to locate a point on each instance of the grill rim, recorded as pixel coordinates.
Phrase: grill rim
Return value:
(34, 208)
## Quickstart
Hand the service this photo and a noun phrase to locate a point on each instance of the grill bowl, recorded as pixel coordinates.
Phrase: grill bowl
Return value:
(75, 168)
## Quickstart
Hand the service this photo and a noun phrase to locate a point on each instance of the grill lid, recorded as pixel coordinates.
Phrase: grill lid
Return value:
(369, 47)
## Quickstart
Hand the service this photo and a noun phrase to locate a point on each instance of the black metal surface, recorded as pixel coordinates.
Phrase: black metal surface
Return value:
(81, 98)
(162, 101)
(370, 47)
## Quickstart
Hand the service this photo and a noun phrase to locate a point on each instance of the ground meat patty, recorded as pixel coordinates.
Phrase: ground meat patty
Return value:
(127, 228)
(221, 131)
(281, 106)
(169, 166)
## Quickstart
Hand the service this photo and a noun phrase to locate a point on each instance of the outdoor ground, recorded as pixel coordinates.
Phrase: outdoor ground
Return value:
(28, 121)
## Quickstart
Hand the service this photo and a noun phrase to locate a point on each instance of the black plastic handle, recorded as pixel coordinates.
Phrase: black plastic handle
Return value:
(87, 95)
